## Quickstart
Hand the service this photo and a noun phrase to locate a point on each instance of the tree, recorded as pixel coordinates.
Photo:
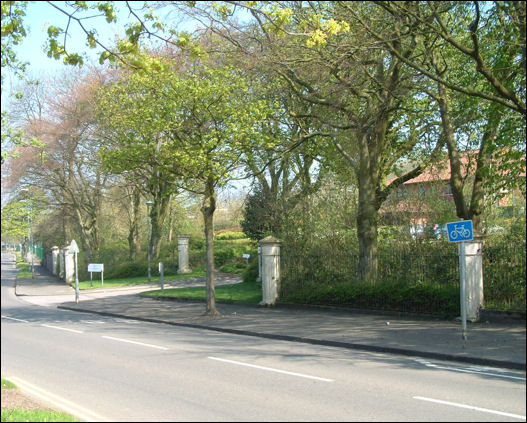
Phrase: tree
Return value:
(196, 120)
(369, 103)
(473, 128)
(488, 36)
(133, 148)
(67, 167)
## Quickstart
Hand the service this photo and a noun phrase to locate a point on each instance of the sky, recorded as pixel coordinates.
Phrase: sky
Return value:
(39, 16)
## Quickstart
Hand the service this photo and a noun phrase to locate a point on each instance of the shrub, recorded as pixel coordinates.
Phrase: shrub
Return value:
(230, 236)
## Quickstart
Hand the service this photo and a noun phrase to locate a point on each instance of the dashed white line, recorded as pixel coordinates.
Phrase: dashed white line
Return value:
(270, 369)
(135, 342)
(470, 407)
(66, 329)
(18, 320)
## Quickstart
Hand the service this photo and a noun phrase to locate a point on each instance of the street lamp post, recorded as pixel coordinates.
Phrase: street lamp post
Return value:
(148, 204)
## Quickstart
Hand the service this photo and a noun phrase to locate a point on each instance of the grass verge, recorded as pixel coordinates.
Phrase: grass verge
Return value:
(135, 280)
(21, 415)
(249, 292)
(32, 415)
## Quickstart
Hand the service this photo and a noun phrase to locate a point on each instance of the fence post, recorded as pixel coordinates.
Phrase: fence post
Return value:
(182, 246)
(474, 278)
(270, 254)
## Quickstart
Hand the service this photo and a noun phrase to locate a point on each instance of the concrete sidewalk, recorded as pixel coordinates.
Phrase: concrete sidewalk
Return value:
(492, 344)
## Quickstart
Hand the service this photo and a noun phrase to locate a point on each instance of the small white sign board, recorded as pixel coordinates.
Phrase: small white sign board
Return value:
(74, 248)
(246, 256)
(96, 267)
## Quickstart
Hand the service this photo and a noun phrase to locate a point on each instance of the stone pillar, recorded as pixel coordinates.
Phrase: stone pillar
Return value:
(270, 254)
(54, 260)
(69, 266)
(474, 278)
(182, 247)
(259, 278)
(49, 261)
(61, 262)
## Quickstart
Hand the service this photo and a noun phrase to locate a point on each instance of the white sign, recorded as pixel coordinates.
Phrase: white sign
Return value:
(246, 256)
(96, 267)
(74, 247)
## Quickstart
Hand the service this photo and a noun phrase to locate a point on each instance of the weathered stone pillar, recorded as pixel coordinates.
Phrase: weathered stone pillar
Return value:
(61, 262)
(182, 247)
(48, 262)
(69, 266)
(259, 278)
(474, 278)
(54, 259)
(270, 254)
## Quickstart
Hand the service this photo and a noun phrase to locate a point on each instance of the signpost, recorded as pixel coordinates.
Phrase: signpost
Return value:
(96, 267)
(460, 232)
(75, 249)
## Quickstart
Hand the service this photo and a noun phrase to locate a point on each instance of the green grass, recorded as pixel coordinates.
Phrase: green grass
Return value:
(24, 270)
(6, 384)
(250, 292)
(21, 415)
(136, 280)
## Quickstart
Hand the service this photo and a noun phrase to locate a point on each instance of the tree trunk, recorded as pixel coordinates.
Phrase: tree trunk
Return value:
(157, 218)
(133, 231)
(477, 202)
(208, 208)
(367, 216)
(474, 210)
(456, 177)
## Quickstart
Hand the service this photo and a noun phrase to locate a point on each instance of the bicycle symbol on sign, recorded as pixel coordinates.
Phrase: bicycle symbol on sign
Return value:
(461, 231)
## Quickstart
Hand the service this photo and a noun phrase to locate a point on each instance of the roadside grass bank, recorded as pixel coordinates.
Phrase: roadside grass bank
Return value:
(135, 280)
(247, 292)
(18, 407)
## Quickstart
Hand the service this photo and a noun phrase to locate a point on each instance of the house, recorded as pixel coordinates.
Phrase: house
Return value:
(427, 199)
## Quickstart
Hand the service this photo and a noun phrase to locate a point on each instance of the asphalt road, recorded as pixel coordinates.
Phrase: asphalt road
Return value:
(107, 369)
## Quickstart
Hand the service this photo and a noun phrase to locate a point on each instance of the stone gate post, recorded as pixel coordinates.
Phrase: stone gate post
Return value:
(54, 259)
(259, 278)
(69, 266)
(182, 246)
(474, 278)
(270, 255)
(61, 262)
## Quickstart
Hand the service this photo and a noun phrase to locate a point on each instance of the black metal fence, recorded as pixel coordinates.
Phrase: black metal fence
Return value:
(418, 276)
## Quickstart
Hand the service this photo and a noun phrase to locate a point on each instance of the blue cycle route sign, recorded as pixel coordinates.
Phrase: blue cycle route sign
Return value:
(460, 231)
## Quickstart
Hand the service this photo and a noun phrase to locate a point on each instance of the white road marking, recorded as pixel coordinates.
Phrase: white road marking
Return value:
(470, 407)
(62, 403)
(471, 370)
(66, 329)
(135, 342)
(18, 320)
(271, 369)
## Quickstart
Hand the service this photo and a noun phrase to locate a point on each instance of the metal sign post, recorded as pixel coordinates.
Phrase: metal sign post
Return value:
(96, 267)
(75, 249)
(460, 232)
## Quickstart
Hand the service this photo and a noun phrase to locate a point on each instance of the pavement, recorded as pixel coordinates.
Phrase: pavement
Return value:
(494, 343)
